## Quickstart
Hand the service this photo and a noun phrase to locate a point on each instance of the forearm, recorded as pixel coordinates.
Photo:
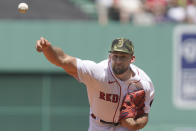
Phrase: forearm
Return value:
(55, 55)
(135, 124)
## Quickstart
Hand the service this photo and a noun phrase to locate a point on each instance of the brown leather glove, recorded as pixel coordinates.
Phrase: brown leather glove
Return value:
(133, 105)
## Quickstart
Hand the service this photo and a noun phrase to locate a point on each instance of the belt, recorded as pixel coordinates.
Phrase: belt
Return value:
(105, 122)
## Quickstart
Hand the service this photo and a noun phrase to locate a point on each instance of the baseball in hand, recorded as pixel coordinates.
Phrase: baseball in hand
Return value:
(23, 7)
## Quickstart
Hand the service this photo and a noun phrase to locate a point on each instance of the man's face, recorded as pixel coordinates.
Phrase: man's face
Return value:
(121, 62)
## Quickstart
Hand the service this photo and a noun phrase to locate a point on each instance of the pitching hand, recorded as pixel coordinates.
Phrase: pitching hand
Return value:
(42, 44)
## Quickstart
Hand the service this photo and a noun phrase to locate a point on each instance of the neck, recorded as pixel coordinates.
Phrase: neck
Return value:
(126, 75)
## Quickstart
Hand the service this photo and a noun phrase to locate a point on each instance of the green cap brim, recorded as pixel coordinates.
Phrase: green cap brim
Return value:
(119, 51)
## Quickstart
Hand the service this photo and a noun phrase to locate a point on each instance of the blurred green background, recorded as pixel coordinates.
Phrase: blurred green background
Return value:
(36, 95)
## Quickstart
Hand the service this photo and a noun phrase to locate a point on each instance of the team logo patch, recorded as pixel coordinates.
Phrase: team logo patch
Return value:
(120, 43)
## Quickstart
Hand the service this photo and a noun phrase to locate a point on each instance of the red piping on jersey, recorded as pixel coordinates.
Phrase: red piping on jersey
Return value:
(128, 87)
(120, 90)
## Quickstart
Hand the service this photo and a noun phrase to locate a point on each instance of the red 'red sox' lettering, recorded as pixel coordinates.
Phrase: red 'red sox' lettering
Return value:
(108, 97)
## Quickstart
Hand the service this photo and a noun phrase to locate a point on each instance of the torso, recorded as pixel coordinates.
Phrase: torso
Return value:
(105, 91)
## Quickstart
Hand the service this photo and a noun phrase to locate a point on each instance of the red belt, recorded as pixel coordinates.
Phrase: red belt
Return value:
(105, 122)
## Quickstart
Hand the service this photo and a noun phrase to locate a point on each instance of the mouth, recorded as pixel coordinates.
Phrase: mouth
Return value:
(118, 70)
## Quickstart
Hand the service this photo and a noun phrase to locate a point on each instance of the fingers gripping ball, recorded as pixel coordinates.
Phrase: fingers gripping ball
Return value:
(23, 8)
(133, 105)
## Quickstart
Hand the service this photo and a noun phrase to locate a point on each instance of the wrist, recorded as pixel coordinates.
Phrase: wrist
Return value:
(47, 47)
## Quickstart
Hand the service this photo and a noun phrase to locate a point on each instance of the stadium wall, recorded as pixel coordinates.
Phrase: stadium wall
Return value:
(36, 95)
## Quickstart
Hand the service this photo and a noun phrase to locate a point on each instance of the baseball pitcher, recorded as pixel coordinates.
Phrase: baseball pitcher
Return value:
(120, 94)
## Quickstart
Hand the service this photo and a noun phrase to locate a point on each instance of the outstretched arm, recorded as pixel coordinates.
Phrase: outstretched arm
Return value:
(57, 57)
(135, 124)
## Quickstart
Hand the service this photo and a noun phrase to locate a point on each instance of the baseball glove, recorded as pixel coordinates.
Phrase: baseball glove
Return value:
(133, 105)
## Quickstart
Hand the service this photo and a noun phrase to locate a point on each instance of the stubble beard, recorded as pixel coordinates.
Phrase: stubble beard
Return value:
(119, 71)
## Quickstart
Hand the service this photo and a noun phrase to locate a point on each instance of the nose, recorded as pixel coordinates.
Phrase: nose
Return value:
(118, 60)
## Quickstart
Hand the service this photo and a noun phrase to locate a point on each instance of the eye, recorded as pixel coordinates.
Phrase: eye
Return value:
(123, 57)
(114, 56)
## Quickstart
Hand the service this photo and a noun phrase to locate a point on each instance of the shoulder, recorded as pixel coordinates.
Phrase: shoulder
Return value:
(142, 74)
(91, 68)
(145, 80)
(80, 62)
(103, 64)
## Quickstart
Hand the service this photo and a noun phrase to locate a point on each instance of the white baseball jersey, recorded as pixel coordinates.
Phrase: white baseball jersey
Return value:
(106, 92)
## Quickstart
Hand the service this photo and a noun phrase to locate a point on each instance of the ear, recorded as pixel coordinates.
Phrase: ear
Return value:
(110, 57)
(132, 59)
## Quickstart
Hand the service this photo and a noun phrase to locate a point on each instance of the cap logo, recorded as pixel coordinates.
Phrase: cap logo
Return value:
(120, 43)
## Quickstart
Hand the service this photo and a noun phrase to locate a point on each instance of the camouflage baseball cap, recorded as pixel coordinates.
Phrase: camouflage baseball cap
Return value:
(122, 45)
